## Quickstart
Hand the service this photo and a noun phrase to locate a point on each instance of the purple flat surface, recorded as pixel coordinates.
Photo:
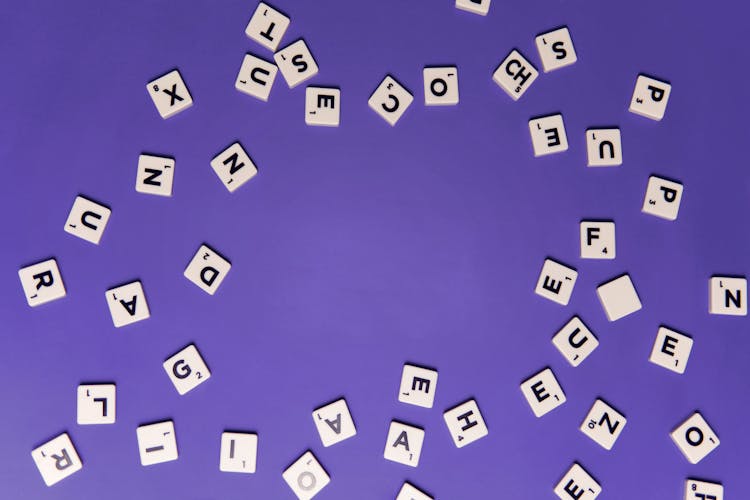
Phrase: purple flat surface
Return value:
(360, 248)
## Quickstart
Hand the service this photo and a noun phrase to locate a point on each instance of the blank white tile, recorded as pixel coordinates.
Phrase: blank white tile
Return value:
(663, 198)
(322, 106)
(404, 444)
(703, 490)
(577, 484)
(556, 282)
(418, 386)
(728, 296)
(575, 341)
(556, 49)
(604, 147)
(155, 175)
(57, 459)
(410, 492)
(619, 298)
(671, 350)
(127, 304)
(207, 269)
(96, 404)
(296, 63)
(440, 86)
(390, 100)
(157, 443)
(306, 477)
(186, 369)
(465, 423)
(239, 452)
(87, 220)
(650, 97)
(603, 424)
(170, 94)
(515, 75)
(256, 77)
(543, 392)
(334, 422)
(42, 282)
(548, 135)
(234, 167)
(598, 240)
(481, 7)
(267, 26)
(695, 438)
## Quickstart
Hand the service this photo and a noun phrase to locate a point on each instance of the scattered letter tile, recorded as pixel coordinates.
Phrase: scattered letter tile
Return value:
(465, 423)
(410, 492)
(234, 167)
(671, 350)
(56, 459)
(157, 443)
(603, 424)
(404, 444)
(256, 77)
(296, 63)
(556, 49)
(239, 452)
(267, 26)
(577, 484)
(703, 490)
(618, 297)
(575, 341)
(87, 220)
(334, 422)
(695, 438)
(207, 269)
(390, 100)
(127, 304)
(548, 135)
(515, 75)
(662, 198)
(597, 240)
(650, 97)
(42, 282)
(186, 369)
(480, 7)
(728, 296)
(418, 386)
(543, 392)
(322, 106)
(170, 94)
(155, 175)
(440, 85)
(306, 477)
(96, 404)
(604, 147)
(556, 282)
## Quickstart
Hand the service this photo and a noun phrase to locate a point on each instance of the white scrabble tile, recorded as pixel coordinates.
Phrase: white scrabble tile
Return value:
(515, 75)
(57, 459)
(207, 269)
(170, 94)
(577, 484)
(650, 97)
(603, 424)
(618, 297)
(334, 422)
(556, 49)
(267, 26)
(465, 423)
(390, 100)
(186, 369)
(96, 404)
(548, 135)
(575, 341)
(543, 392)
(703, 490)
(322, 106)
(418, 386)
(155, 175)
(87, 220)
(127, 304)
(157, 443)
(728, 296)
(604, 147)
(695, 438)
(598, 240)
(404, 444)
(234, 167)
(306, 477)
(410, 492)
(556, 282)
(481, 7)
(296, 63)
(440, 85)
(239, 452)
(662, 198)
(42, 282)
(256, 77)
(671, 350)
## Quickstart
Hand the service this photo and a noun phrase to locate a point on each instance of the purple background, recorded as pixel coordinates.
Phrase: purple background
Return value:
(360, 248)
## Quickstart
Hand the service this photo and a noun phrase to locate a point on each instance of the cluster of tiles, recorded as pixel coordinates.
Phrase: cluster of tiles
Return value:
(42, 282)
